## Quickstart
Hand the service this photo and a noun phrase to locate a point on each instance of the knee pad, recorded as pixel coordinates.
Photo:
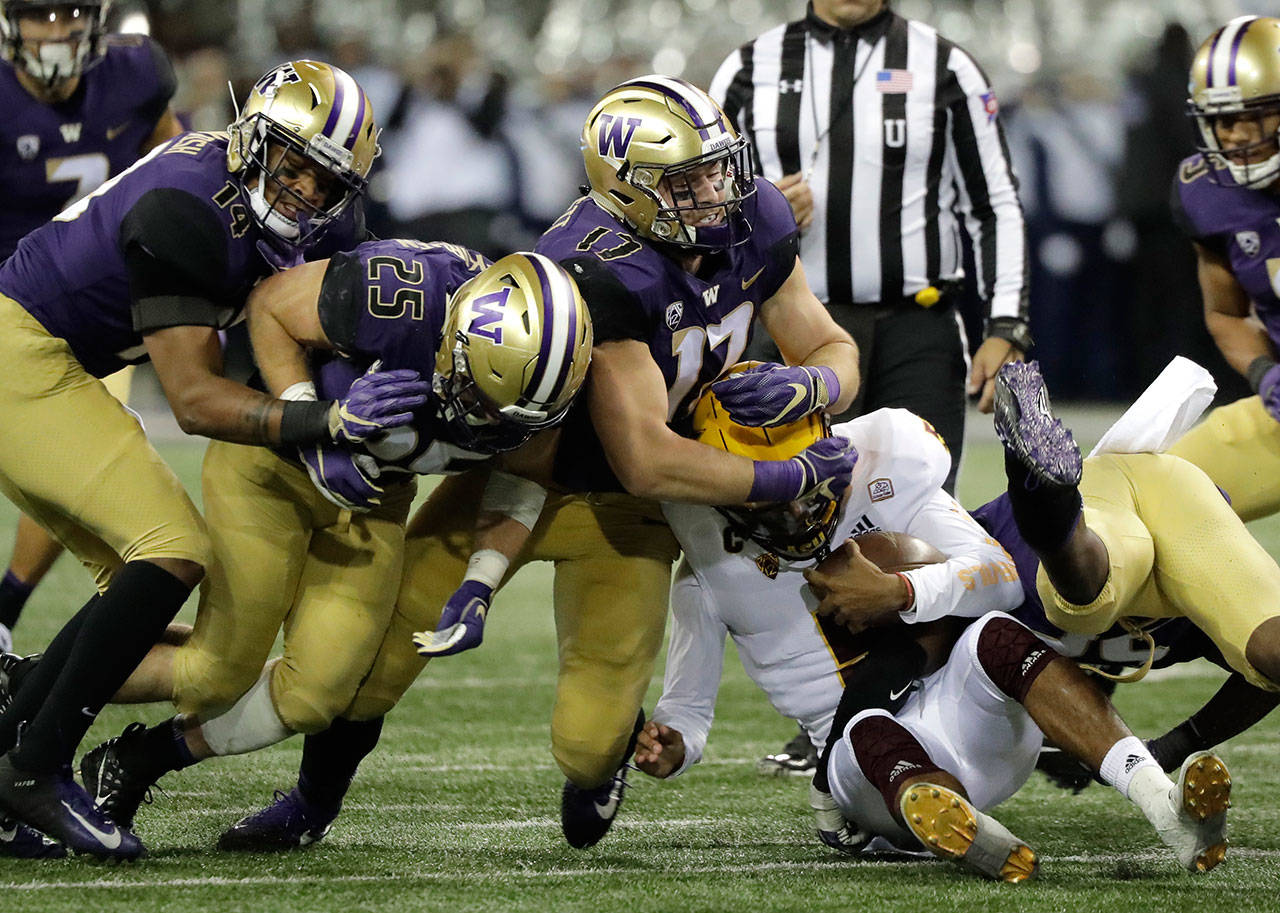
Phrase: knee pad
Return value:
(1011, 655)
(888, 754)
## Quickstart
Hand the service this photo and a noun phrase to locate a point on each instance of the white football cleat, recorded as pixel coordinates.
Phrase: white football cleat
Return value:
(1194, 822)
(948, 826)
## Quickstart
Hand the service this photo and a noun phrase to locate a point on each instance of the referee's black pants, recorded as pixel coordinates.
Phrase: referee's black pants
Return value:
(910, 357)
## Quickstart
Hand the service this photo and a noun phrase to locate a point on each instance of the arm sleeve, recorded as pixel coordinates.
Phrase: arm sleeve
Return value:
(987, 189)
(978, 575)
(175, 251)
(616, 312)
(166, 83)
(695, 661)
(342, 300)
(726, 88)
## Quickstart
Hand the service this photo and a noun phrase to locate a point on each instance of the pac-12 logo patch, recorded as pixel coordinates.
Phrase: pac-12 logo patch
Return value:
(1249, 243)
(675, 310)
(880, 489)
(28, 146)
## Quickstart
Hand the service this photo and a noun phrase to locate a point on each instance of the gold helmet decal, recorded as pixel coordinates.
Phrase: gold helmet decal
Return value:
(797, 531)
(1235, 77)
(310, 110)
(517, 343)
(650, 144)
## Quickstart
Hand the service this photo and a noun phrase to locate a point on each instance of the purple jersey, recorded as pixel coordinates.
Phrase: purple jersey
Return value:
(387, 300)
(1239, 224)
(52, 155)
(181, 214)
(695, 325)
(1177, 639)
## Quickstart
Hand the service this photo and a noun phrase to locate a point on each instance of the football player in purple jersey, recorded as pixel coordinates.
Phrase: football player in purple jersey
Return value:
(1227, 198)
(80, 106)
(152, 265)
(507, 346)
(676, 249)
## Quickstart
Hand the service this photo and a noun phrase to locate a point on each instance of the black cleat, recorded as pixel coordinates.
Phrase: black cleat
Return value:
(12, 667)
(1026, 425)
(798, 758)
(53, 804)
(587, 814)
(288, 823)
(17, 841)
(116, 790)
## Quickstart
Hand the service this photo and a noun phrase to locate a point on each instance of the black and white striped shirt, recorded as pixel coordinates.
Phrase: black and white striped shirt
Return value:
(896, 130)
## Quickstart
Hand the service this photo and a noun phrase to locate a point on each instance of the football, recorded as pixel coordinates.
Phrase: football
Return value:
(891, 552)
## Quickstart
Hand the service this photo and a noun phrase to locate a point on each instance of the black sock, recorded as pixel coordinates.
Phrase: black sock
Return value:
(36, 681)
(1045, 514)
(893, 661)
(13, 596)
(115, 634)
(159, 750)
(330, 759)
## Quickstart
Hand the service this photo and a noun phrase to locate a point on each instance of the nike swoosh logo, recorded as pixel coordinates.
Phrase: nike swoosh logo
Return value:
(113, 132)
(747, 283)
(607, 810)
(103, 791)
(802, 394)
(894, 695)
(110, 839)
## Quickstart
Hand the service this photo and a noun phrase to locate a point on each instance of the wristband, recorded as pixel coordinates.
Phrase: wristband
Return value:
(305, 423)
(1257, 370)
(304, 391)
(830, 390)
(487, 566)
(911, 592)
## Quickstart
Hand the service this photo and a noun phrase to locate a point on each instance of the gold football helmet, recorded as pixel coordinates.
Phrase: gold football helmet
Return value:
(54, 60)
(649, 144)
(797, 531)
(517, 342)
(1235, 78)
(313, 110)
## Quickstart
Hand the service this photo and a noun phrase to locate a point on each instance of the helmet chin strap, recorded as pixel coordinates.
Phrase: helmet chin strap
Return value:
(285, 228)
(55, 61)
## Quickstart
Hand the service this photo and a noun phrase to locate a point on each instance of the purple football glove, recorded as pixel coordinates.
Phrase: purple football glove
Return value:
(461, 624)
(1269, 390)
(377, 400)
(771, 394)
(340, 478)
(826, 464)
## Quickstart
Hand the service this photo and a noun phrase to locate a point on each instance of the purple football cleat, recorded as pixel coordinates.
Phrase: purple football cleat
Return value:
(17, 841)
(287, 823)
(54, 804)
(1026, 425)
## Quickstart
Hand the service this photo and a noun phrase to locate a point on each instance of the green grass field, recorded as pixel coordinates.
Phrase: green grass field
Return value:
(458, 808)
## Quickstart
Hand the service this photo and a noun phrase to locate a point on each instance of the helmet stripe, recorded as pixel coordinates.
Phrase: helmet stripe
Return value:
(1220, 70)
(348, 109)
(690, 98)
(558, 331)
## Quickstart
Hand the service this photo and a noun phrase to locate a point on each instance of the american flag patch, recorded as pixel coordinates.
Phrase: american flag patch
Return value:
(893, 82)
(990, 105)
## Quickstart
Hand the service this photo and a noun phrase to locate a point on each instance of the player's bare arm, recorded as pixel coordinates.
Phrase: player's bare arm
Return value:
(167, 127)
(1227, 312)
(627, 397)
(806, 334)
(284, 322)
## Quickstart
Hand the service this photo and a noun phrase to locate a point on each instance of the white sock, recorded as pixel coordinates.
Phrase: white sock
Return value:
(1126, 758)
(1149, 790)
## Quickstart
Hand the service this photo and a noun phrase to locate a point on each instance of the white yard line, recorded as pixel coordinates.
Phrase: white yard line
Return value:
(453, 876)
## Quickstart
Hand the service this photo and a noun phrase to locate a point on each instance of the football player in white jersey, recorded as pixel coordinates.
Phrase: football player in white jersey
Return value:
(966, 737)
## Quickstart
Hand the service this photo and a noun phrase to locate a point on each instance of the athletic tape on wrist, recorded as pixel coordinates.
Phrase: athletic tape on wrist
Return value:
(487, 566)
(304, 391)
(514, 497)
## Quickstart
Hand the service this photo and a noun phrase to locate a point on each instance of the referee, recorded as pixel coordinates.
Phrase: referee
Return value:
(883, 135)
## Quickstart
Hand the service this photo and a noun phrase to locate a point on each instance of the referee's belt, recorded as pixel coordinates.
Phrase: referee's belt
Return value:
(930, 296)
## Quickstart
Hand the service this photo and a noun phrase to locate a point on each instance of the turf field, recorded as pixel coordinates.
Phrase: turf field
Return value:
(458, 809)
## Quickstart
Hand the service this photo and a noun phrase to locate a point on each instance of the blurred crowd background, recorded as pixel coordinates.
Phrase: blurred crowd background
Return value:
(481, 102)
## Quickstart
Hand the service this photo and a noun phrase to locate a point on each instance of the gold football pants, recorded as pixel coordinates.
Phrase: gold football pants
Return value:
(78, 463)
(1176, 549)
(1238, 446)
(613, 555)
(286, 557)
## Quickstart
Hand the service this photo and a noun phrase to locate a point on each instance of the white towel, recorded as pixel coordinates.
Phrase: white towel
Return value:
(1164, 412)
